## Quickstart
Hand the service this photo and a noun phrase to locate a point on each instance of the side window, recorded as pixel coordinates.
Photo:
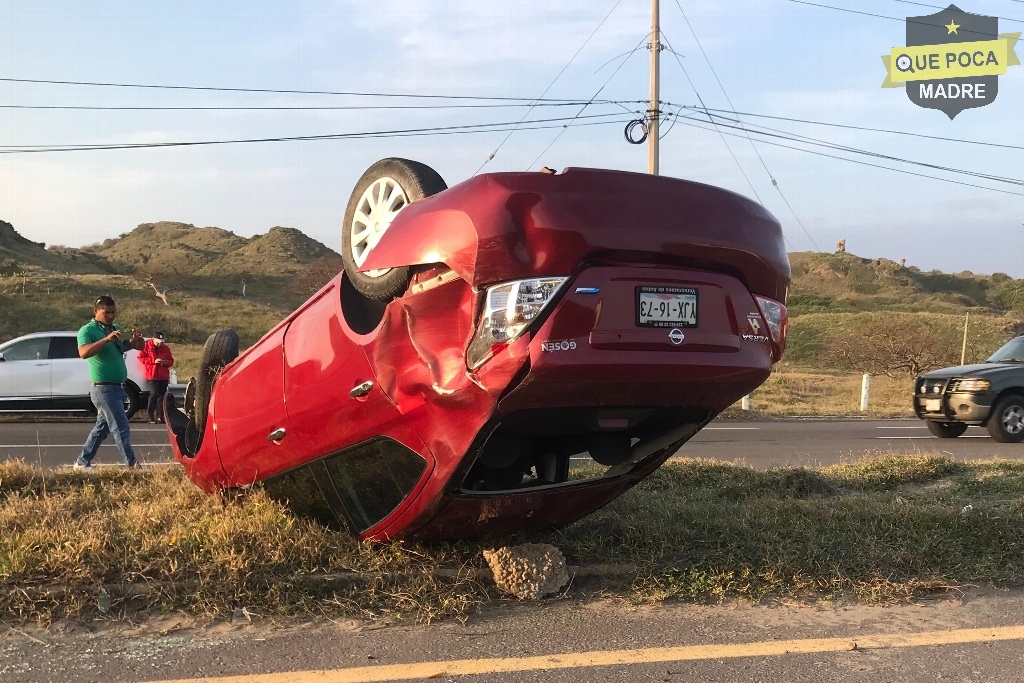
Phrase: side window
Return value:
(373, 479)
(300, 492)
(363, 484)
(63, 347)
(30, 349)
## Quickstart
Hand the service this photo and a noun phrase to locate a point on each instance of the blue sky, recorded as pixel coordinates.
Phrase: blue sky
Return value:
(774, 57)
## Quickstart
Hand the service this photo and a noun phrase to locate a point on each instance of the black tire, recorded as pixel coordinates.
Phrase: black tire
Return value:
(189, 399)
(1006, 422)
(416, 181)
(946, 430)
(220, 349)
(132, 400)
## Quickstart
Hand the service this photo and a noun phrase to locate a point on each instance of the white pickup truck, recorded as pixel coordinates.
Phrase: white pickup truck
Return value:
(42, 372)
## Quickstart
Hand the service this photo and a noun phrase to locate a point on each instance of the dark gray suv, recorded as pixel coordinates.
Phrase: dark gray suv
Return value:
(989, 394)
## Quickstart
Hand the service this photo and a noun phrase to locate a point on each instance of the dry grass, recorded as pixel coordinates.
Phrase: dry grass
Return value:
(885, 529)
(792, 393)
(186, 359)
(153, 541)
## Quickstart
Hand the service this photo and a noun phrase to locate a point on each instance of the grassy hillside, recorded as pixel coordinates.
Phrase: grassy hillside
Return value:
(43, 301)
(167, 248)
(212, 278)
(838, 301)
(282, 251)
(16, 253)
(837, 283)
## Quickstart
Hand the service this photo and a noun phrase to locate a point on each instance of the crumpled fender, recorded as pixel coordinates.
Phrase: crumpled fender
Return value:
(506, 226)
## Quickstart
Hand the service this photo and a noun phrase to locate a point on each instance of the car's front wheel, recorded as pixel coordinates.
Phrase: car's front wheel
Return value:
(1006, 423)
(946, 430)
(381, 193)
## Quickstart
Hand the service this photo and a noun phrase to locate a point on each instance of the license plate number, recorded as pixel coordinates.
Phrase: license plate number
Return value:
(666, 306)
(933, 405)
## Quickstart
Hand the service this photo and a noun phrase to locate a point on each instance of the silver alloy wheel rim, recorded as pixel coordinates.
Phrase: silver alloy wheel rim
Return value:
(377, 208)
(1013, 420)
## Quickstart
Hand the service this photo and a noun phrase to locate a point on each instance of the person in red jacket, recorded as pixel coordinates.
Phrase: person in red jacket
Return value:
(157, 360)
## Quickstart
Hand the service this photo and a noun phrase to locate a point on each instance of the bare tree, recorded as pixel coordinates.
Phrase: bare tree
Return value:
(161, 295)
(894, 346)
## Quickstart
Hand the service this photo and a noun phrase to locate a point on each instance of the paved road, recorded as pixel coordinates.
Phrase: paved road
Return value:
(53, 444)
(759, 444)
(971, 640)
(827, 442)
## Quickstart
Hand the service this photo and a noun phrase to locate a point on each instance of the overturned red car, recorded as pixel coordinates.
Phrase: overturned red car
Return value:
(507, 354)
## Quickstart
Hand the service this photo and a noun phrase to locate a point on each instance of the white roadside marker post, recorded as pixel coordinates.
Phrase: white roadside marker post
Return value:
(745, 405)
(865, 386)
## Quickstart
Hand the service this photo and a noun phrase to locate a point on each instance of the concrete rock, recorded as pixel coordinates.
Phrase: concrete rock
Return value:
(528, 571)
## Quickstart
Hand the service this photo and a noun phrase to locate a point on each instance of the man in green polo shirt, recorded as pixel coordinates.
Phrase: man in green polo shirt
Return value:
(104, 344)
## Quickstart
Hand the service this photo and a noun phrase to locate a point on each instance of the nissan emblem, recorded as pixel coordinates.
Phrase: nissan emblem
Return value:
(676, 336)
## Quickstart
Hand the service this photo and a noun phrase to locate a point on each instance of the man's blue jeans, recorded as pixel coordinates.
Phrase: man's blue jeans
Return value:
(110, 419)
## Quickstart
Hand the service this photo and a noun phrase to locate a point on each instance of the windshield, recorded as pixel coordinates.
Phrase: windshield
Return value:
(1013, 350)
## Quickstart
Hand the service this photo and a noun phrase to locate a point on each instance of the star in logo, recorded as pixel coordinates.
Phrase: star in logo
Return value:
(952, 26)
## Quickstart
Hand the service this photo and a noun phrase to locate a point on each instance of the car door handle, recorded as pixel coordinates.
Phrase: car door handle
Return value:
(360, 390)
(276, 435)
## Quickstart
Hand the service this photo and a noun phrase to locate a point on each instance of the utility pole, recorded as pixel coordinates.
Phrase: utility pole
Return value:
(654, 108)
(963, 349)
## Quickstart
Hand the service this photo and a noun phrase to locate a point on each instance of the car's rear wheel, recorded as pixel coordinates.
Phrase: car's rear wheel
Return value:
(386, 188)
(1006, 423)
(220, 349)
(946, 430)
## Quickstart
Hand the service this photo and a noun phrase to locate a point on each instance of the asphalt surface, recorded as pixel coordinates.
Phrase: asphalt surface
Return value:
(760, 444)
(974, 639)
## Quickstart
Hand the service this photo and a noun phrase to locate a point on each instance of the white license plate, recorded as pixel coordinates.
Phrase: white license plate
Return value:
(933, 405)
(666, 306)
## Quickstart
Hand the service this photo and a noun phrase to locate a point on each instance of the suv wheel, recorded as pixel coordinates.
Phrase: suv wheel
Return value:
(1006, 423)
(946, 430)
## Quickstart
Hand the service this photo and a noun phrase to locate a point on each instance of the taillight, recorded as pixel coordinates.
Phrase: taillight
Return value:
(508, 309)
(777, 317)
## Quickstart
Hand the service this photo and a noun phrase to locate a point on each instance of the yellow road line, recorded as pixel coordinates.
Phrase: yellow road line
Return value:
(575, 660)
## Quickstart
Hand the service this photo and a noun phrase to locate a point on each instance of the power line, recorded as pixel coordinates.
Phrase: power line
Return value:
(863, 163)
(775, 183)
(864, 128)
(882, 16)
(724, 142)
(592, 101)
(437, 130)
(551, 84)
(350, 93)
(354, 107)
(940, 7)
(794, 137)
